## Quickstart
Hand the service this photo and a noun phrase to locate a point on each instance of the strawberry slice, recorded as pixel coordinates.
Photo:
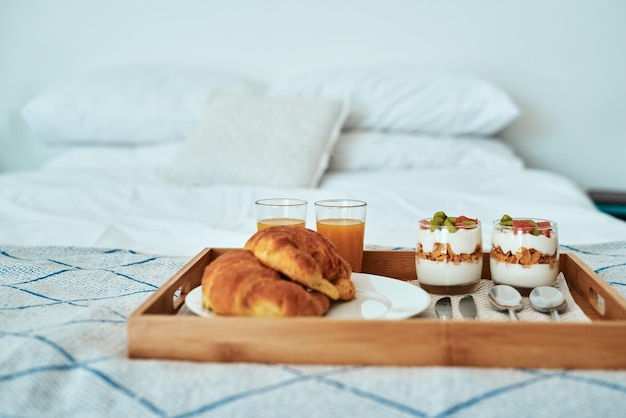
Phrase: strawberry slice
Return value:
(524, 226)
(464, 222)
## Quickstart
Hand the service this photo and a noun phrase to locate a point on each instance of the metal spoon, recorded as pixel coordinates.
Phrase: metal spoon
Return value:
(443, 307)
(468, 307)
(548, 299)
(506, 298)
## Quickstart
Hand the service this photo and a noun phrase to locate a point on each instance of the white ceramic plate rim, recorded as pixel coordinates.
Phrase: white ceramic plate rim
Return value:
(377, 297)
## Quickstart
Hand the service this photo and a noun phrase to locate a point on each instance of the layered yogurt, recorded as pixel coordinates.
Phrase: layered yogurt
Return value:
(524, 252)
(449, 253)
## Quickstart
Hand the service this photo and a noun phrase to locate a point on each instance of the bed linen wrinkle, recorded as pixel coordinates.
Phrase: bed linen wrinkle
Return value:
(31, 227)
(117, 214)
(140, 210)
(479, 181)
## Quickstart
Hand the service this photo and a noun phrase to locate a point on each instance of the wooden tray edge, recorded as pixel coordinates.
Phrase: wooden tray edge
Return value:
(411, 342)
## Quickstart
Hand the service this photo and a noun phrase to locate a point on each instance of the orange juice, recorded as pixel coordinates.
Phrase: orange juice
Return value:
(347, 235)
(266, 223)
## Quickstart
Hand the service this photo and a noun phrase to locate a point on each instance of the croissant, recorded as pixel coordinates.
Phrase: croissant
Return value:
(305, 257)
(236, 283)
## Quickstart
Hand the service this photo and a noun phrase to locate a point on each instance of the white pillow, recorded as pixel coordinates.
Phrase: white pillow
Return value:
(133, 105)
(256, 140)
(404, 101)
(376, 151)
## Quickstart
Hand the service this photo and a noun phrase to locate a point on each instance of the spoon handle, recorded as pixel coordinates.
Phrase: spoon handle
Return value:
(513, 315)
(555, 315)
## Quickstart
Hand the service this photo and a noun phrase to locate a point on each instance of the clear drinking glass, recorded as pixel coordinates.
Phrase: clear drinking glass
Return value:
(524, 253)
(449, 259)
(342, 221)
(280, 211)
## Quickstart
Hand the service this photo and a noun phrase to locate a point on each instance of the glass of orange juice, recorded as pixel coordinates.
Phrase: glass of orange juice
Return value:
(342, 221)
(280, 211)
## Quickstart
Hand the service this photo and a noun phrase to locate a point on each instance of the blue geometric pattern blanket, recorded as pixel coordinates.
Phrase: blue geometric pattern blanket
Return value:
(63, 315)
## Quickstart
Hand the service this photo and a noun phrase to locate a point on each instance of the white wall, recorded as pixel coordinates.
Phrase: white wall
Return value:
(562, 61)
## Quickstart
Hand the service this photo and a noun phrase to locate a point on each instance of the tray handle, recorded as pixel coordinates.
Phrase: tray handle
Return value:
(607, 306)
(170, 297)
(599, 295)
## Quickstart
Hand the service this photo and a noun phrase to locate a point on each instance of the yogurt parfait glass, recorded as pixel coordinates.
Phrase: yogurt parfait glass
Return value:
(449, 255)
(524, 253)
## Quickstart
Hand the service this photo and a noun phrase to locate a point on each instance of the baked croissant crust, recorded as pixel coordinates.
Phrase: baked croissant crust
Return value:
(305, 257)
(236, 283)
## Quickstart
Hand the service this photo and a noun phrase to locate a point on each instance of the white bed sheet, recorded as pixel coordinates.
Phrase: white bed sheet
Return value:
(136, 209)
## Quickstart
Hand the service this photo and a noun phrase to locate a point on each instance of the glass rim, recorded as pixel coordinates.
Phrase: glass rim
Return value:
(341, 203)
(426, 221)
(281, 201)
(553, 224)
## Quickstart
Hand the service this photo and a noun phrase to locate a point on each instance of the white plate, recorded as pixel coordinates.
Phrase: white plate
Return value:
(377, 297)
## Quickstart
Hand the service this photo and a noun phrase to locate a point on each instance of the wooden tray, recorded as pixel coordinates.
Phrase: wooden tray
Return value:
(155, 331)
